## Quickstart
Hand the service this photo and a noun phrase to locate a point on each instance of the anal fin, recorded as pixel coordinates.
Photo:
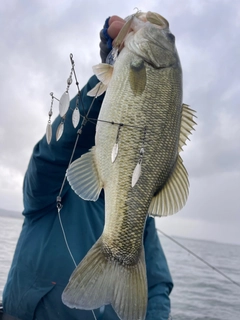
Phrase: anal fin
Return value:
(173, 196)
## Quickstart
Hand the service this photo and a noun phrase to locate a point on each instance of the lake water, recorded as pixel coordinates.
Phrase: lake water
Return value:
(199, 292)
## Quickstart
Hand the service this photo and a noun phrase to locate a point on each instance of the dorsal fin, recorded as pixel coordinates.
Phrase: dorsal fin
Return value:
(187, 124)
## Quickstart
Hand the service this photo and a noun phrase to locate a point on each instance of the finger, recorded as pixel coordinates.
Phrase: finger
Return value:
(115, 18)
(115, 27)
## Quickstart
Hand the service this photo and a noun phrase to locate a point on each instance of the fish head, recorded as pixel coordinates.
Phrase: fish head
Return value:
(151, 39)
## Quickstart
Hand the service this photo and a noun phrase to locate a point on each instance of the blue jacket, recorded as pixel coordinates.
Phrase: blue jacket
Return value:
(42, 265)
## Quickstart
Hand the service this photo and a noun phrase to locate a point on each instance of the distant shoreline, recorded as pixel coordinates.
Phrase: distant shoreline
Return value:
(4, 213)
(10, 214)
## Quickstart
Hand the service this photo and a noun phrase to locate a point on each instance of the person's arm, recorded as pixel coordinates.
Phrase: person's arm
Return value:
(158, 275)
(48, 164)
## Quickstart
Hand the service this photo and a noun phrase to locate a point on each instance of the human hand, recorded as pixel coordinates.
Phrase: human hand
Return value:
(115, 25)
(109, 32)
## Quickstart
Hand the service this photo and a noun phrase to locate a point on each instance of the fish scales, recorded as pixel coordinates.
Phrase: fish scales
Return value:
(143, 121)
(143, 110)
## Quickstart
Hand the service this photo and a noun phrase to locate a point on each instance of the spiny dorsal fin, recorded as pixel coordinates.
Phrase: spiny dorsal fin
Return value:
(187, 124)
(83, 177)
(173, 196)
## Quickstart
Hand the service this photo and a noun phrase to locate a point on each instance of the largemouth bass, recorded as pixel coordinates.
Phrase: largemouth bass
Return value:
(141, 129)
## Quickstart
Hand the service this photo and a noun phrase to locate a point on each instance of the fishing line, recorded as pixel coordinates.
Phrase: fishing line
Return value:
(59, 199)
(66, 242)
(79, 132)
(94, 315)
(199, 258)
(65, 238)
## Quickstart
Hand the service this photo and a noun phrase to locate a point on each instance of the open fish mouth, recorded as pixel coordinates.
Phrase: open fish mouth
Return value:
(153, 18)
(134, 23)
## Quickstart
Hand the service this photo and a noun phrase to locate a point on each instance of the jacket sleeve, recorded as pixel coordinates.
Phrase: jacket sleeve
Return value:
(158, 275)
(48, 164)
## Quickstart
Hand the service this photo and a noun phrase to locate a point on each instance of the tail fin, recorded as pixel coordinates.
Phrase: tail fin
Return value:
(98, 281)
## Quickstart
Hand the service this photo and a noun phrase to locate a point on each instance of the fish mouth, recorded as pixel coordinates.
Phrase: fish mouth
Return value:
(154, 18)
(130, 26)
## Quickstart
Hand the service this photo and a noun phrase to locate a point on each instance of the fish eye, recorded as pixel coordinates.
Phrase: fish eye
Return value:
(171, 37)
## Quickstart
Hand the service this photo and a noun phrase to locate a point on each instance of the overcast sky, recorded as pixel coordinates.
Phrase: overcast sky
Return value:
(36, 40)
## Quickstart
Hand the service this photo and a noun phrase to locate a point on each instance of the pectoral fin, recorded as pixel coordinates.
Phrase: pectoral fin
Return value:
(83, 177)
(137, 76)
(174, 194)
(103, 71)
